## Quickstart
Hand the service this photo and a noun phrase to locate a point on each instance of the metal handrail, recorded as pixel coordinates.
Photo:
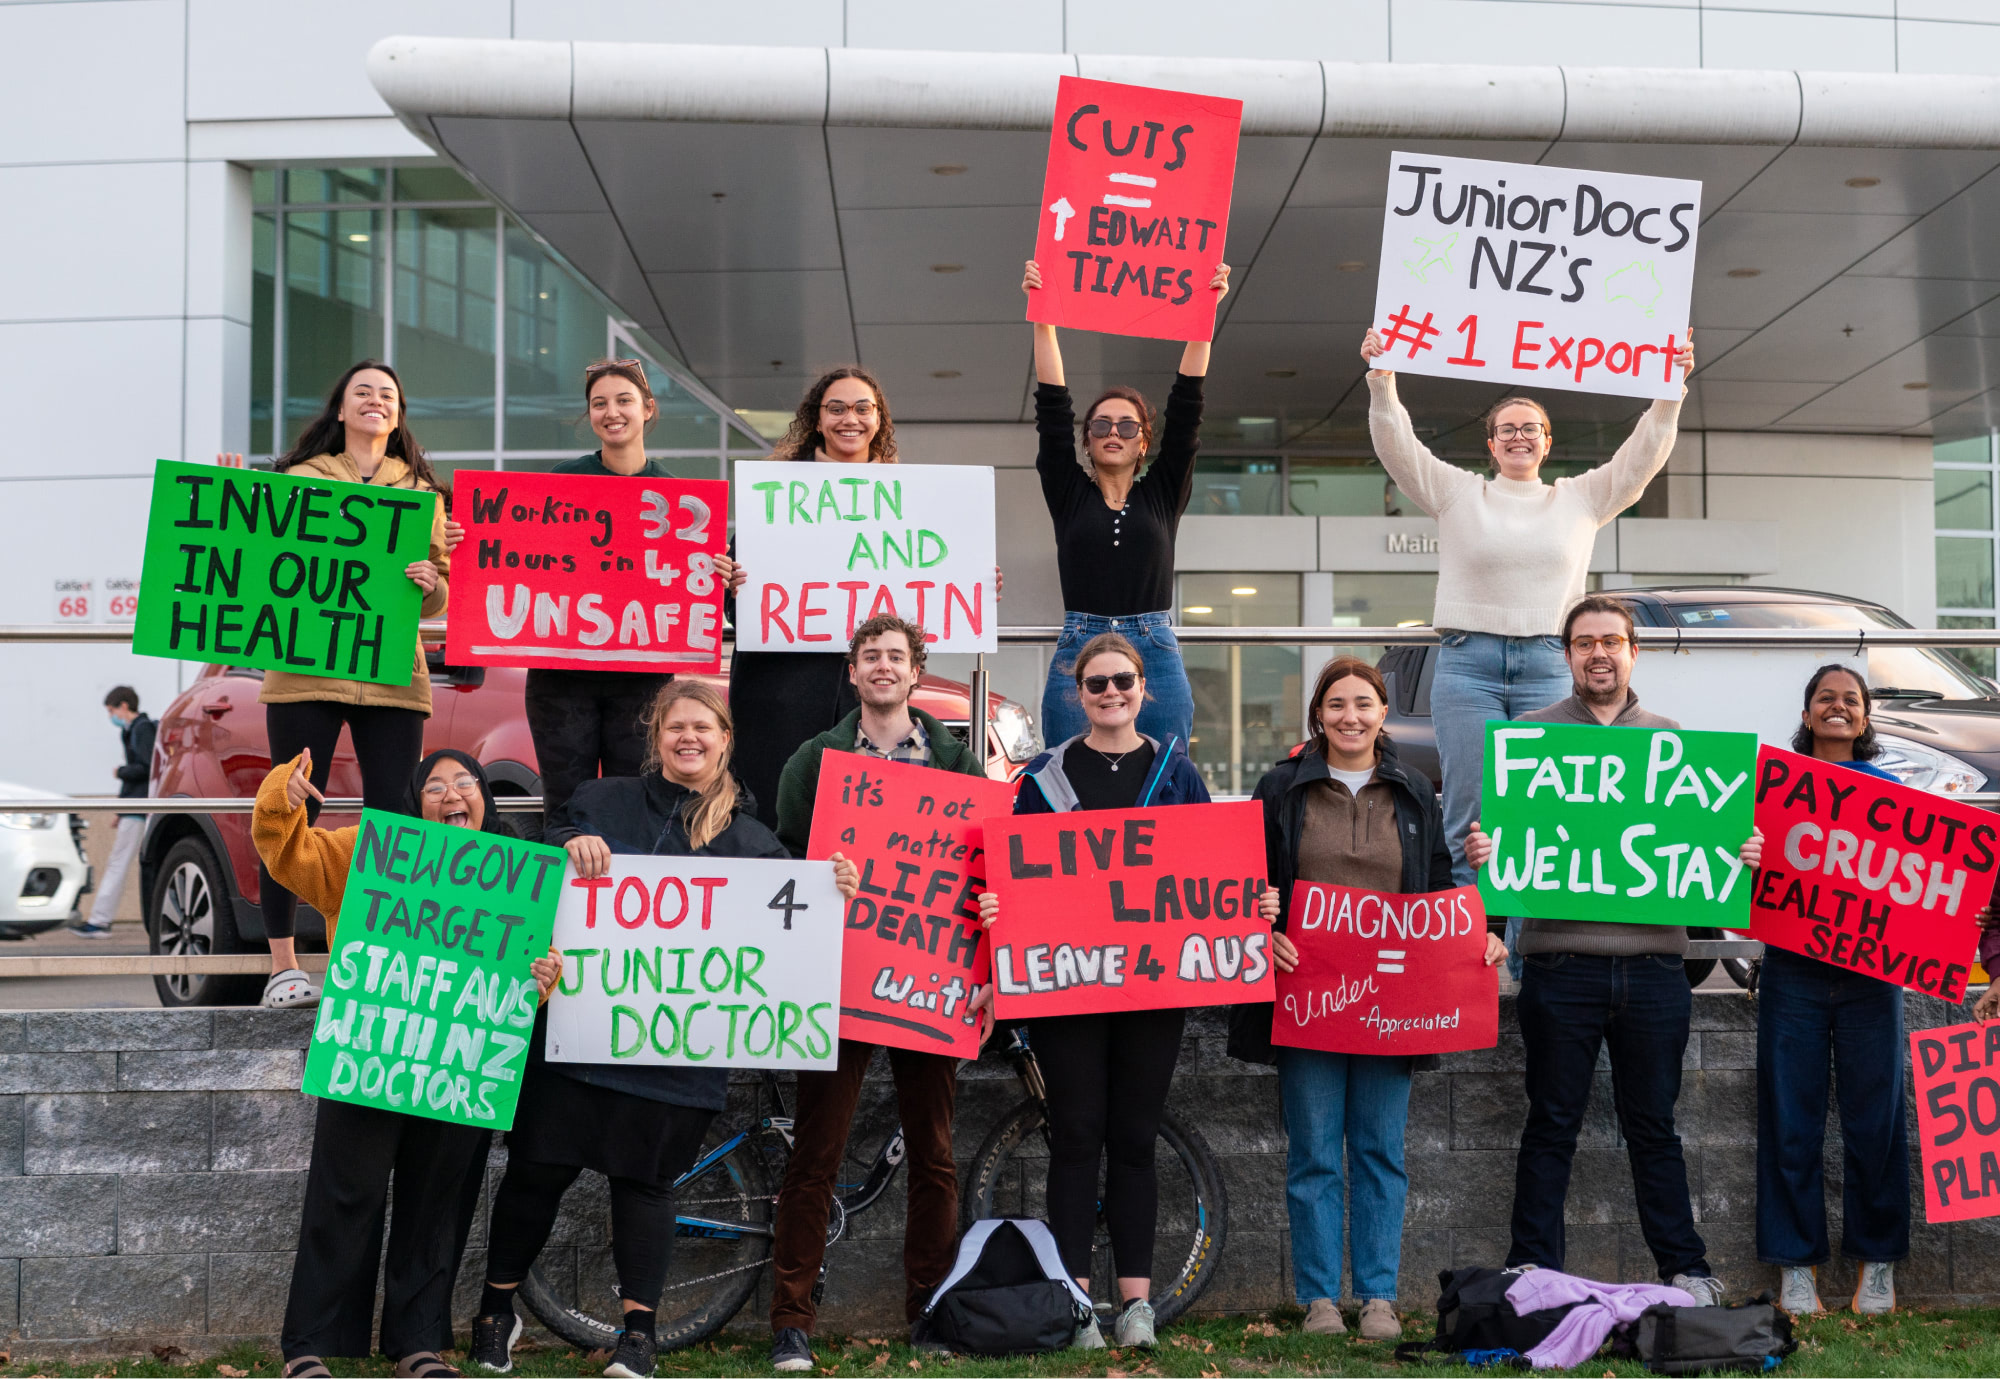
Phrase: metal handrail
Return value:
(189, 804)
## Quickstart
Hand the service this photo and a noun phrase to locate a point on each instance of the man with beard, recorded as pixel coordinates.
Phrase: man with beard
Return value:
(885, 660)
(1587, 984)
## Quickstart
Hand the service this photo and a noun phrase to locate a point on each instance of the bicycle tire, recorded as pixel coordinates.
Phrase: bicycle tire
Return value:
(1203, 1223)
(738, 1187)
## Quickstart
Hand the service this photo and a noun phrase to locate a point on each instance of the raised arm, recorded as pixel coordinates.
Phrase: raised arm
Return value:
(1434, 484)
(1616, 484)
(310, 862)
(1048, 353)
(1194, 359)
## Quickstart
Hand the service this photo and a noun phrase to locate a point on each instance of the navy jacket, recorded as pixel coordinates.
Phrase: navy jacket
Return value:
(1046, 790)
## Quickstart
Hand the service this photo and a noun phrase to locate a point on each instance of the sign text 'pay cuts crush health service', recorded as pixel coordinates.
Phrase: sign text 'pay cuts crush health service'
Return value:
(429, 1001)
(1956, 1072)
(1522, 274)
(915, 956)
(1636, 825)
(282, 573)
(825, 551)
(1129, 909)
(1135, 208)
(720, 962)
(1874, 877)
(574, 571)
(1383, 973)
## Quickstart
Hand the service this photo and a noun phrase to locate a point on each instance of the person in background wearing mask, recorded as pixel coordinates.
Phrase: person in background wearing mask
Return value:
(136, 731)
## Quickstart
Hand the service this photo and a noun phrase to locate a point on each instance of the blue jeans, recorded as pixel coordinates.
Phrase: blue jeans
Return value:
(1810, 1014)
(1363, 1099)
(1572, 1004)
(1169, 708)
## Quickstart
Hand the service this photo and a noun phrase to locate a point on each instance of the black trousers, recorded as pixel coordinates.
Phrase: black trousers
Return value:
(1107, 1077)
(642, 1214)
(388, 744)
(358, 1151)
(586, 723)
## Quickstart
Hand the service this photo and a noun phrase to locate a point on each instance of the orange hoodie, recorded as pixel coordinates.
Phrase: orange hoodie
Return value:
(309, 862)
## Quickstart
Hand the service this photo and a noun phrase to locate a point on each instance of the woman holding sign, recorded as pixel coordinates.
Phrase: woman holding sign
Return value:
(1108, 1074)
(1812, 1015)
(1512, 556)
(361, 436)
(1117, 578)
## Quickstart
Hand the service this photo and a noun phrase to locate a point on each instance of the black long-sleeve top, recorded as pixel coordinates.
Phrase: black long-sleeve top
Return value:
(1116, 563)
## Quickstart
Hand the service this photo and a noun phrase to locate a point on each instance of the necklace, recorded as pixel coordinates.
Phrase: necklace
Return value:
(1108, 757)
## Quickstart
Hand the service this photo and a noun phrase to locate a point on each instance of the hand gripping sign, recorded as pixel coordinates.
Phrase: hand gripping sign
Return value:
(429, 1000)
(1957, 1077)
(1636, 825)
(1129, 909)
(575, 571)
(1877, 878)
(720, 962)
(282, 573)
(826, 551)
(915, 956)
(1385, 973)
(1135, 208)
(1526, 275)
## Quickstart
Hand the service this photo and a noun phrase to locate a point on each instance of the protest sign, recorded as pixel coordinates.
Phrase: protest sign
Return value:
(282, 573)
(1868, 875)
(1072, 886)
(915, 955)
(721, 962)
(1135, 208)
(569, 571)
(1636, 825)
(429, 1000)
(1382, 973)
(825, 552)
(1958, 1119)
(1521, 274)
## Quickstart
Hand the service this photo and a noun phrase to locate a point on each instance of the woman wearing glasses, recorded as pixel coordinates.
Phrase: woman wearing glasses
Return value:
(1116, 518)
(1512, 555)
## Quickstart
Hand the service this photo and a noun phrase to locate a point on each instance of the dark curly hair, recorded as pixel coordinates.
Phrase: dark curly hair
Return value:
(803, 437)
(1866, 748)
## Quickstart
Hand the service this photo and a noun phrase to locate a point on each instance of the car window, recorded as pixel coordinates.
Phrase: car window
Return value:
(1913, 670)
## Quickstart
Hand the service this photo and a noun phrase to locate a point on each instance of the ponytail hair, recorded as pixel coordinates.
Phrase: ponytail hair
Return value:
(707, 818)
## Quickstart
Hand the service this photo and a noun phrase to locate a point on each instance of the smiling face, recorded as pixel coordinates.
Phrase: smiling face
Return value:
(1602, 673)
(692, 744)
(1837, 713)
(618, 410)
(451, 796)
(1115, 452)
(882, 672)
(1351, 714)
(1114, 708)
(848, 436)
(1519, 456)
(371, 405)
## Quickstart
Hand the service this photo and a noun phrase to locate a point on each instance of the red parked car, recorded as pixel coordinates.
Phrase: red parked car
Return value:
(198, 872)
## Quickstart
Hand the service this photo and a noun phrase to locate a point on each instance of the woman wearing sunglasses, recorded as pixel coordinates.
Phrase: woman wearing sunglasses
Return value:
(1116, 519)
(1108, 1074)
(1512, 556)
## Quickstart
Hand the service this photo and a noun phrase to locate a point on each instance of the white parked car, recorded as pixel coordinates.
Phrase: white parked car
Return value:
(43, 876)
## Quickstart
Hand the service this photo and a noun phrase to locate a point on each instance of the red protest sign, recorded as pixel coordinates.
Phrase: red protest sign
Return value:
(1129, 909)
(576, 571)
(1868, 875)
(914, 955)
(1135, 207)
(1958, 1119)
(1382, 973)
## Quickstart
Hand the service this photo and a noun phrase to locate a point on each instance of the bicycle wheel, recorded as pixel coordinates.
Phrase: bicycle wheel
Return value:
(1010, 1178)
(722, 1240)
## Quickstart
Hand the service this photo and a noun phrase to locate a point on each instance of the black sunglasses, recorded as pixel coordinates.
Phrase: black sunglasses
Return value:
(1101, 427)
(1097, 684)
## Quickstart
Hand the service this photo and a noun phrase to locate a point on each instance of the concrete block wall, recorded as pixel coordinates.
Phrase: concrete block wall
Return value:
(152, 1164)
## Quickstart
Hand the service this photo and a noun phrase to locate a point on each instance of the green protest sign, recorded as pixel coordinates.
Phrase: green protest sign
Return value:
(282, 573)
(429, 1003)
(1637, 825)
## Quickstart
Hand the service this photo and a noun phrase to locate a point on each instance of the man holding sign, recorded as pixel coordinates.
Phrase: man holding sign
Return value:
(1589, 984)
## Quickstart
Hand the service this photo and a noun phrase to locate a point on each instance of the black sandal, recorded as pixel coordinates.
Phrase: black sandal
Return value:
(425, 1364)
(307, 1367)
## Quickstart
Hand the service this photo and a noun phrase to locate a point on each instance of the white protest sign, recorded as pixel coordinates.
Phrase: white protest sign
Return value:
(1516, 273)
(829, 546)
(715, 962)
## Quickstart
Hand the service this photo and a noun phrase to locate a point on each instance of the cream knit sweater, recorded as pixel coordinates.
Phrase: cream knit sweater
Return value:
(1512, 555)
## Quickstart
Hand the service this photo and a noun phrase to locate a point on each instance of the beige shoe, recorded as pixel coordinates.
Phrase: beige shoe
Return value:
(1378, 1321)
(1323, 1319)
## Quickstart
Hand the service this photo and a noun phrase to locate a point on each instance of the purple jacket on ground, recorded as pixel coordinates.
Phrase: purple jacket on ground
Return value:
(1600, 1306)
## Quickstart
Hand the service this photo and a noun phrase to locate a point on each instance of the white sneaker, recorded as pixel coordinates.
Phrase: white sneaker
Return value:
(1798, 1290)
(1089, 1336)
(289, 989)
(1705, 1289)
(1875, 1294)
(1135, 1325)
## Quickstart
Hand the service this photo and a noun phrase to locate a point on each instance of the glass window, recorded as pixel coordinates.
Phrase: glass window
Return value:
(1226, 486)
(434, 184)
(1965, 572)
(263, 186)
(333, 306)
(311, 186)
(555, 327)
(444, 325)
(1246, 698)
(1977, 659)
(263, 284)
(1964, 499)
(1383, 600)
(1346, 488)
(1976, 450)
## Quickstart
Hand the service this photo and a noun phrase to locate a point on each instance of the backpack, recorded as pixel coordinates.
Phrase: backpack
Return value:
(1474, 1315)
(1007, 1293)
(1752, 1336)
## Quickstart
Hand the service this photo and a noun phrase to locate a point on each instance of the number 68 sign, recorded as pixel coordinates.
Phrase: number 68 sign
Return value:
(566, 571)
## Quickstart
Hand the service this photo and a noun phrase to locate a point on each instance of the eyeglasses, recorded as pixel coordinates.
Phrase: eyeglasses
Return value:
(1527, 430)
(837, 410)
(435, 790)
(1097, 684)
(607, 365)
(1613, 644)
(1100, 427)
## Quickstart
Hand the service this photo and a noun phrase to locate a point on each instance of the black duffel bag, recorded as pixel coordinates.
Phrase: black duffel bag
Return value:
(1751, 1336)
(1474, 1314)
(1007, 1294)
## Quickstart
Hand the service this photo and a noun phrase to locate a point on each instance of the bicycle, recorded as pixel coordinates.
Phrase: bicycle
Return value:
(726, 1207)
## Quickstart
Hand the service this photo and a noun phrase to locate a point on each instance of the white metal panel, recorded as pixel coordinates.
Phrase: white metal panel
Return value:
(216, 390)
(671, 81)
(1024, 26)
(1816, 42)
(1343, 30)
(1571, 35)
(808, 22)
(1623, 105)
(78, 255)
(1247, 543)
(91, 81)
(341, 142)
(944, 90)
(1875, 108)
(1943, 47)
(1656, 545)
(1278, 97)
(40, 362)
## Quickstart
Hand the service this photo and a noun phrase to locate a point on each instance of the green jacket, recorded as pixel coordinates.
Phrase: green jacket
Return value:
(798, 787)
